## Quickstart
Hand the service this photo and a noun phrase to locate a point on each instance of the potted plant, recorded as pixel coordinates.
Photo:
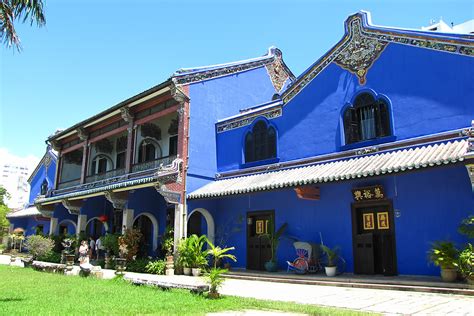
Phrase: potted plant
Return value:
(274, 238)
(68, 254)
(466, 263)
(167, 247)
(110, 244)
(331, 268)
(215, 275)
(445, 255)
(185, 256)
(198, 255)
(128, 248)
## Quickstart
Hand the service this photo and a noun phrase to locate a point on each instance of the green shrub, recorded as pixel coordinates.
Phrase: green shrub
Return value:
(110, 243)
(138, 265)
(39, 246)
(53, 257)
(466, 261)
(156, 267)
(444, 254)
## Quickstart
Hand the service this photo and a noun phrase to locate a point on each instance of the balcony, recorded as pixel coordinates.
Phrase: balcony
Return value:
(153, 164)
(105, 175)
(68, 184)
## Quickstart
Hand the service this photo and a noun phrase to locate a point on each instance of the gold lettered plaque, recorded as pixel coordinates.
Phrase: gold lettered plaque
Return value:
(375, 192)
(259, 227)
(368, 219)
(382, 220)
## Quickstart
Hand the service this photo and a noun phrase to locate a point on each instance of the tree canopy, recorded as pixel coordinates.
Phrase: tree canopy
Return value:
(18, 10)
(3, 209)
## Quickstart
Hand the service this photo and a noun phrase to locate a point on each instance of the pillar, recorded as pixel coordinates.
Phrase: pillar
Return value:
(53, 226)
(81, 224)
(178, 225)
(127, 219)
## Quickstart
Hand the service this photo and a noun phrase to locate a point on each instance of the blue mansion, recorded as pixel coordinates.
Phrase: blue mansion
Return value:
(371, 148)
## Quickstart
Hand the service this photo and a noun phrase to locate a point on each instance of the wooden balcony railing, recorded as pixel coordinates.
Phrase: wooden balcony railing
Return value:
(105, 175)
(153, 164)
(69, 183)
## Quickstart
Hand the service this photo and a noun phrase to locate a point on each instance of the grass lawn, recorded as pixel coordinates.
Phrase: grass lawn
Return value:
(28, 292)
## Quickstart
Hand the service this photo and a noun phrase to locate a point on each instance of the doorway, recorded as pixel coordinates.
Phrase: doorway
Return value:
(373, 238)
(258, 246)
(145, 226)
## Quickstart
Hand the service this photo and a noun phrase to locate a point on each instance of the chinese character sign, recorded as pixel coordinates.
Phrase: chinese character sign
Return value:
(368, 193)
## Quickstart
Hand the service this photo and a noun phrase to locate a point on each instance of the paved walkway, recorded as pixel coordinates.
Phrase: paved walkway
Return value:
(369, 300)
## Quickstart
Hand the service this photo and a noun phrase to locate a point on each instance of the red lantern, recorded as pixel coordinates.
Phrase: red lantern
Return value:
(103, 218)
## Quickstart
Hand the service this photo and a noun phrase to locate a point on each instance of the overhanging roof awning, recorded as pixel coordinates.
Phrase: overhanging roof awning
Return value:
(30, 211)
(358, 167)
(98, 190)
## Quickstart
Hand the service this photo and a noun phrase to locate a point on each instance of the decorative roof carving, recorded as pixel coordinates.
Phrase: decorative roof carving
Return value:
(74, 207)
(126, 114)
(361, 35)
(361, 53)
(118, 199)
(277, 72)
(188, 76)
(81, 132)
(178, 94)
(245, 120)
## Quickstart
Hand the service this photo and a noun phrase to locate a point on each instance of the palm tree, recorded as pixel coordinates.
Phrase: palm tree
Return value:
(23, 10)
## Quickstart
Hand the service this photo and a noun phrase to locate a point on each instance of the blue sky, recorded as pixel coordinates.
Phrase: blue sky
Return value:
(93, 54)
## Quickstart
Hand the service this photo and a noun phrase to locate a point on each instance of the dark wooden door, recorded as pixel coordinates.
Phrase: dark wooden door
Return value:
(194, 224)
(258, 245)
(364, 254)
(374, 239)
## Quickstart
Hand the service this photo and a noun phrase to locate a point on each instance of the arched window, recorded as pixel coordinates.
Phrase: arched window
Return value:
(148, 151)
(260, 143)
(367, 119)
(101, 164)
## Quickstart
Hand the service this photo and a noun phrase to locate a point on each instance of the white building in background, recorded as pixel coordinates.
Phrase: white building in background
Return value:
(443, 27)
(14, 173)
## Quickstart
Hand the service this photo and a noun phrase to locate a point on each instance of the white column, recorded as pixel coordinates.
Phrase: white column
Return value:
(127, 219)
(53, 226)
(81, 224)
(178, 225)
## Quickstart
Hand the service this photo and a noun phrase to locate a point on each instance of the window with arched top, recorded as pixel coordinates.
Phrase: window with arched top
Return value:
(101, 164)
(148, 151)
(260, 143)
(368, 118)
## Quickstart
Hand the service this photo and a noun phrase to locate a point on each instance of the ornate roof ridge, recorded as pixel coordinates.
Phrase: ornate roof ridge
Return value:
(196, 74)
(361, 34)
(44, 160)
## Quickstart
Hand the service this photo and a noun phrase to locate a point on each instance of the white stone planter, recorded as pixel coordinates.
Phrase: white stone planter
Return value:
(196, 271)
(330, 271)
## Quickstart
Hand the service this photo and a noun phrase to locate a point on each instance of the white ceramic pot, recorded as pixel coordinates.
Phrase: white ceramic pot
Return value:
(187, 271)
(196, 271)
(330, 271)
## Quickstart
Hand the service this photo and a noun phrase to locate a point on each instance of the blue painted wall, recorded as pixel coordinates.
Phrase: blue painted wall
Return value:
(29, 224)
(213, 100)
(41, 174)
(436, 216)
(429, 91)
